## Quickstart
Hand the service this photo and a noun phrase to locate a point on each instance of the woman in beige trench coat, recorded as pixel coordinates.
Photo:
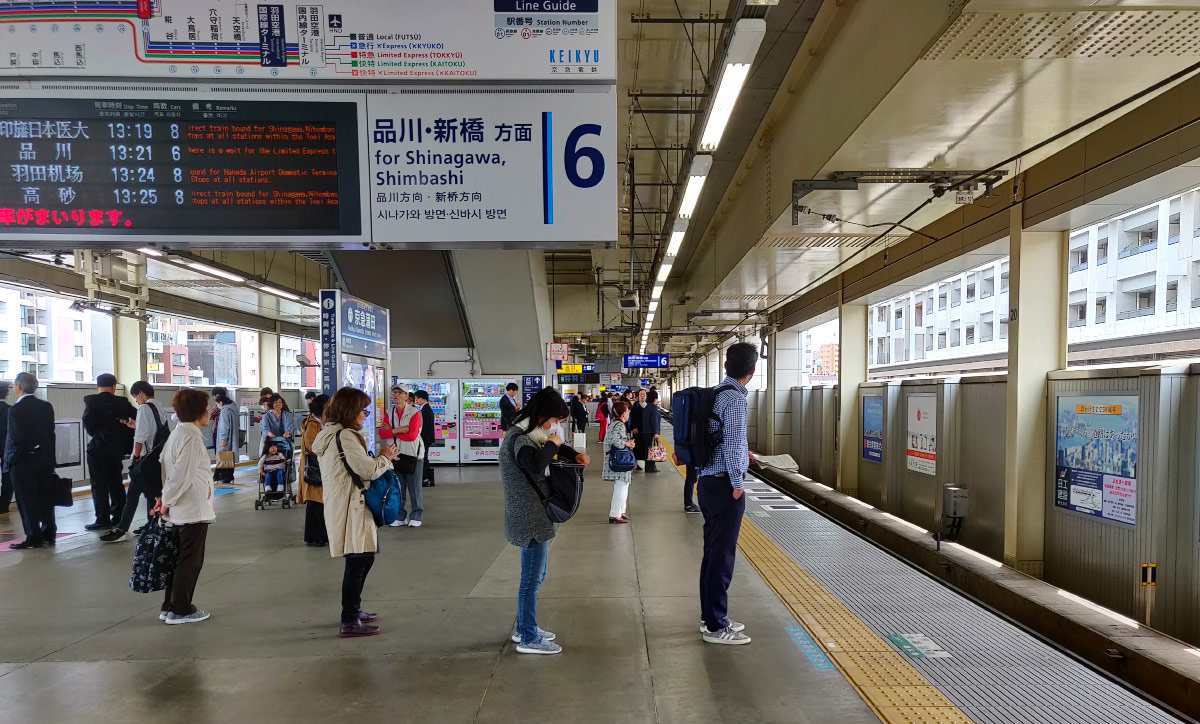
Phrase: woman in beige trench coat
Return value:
(349, 523)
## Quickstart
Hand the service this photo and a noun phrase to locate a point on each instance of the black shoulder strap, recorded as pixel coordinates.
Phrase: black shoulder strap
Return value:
(525, 472)
(358, 482)
(158, 423)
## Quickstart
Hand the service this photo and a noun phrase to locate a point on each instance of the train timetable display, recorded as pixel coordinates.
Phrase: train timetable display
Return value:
(179, 167)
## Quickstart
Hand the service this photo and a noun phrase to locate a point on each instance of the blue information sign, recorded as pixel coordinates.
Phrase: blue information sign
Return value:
(530, 386)
(872, 428)
(272, 44)
(647, 383)
(653, 361)
(329, 360)
(364, 328)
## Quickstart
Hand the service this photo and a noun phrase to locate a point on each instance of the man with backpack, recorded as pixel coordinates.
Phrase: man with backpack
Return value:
(150, 433)
(710, 434)
(109, 421)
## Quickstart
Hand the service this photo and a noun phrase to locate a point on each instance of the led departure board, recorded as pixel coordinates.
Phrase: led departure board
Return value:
(179, 167)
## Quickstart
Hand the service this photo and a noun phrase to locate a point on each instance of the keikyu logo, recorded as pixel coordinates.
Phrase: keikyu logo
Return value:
(577, 56)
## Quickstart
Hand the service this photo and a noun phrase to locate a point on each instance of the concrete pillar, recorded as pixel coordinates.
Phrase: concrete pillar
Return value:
(268, 360)
(1037, 345)
(129, 350)
(852, 372)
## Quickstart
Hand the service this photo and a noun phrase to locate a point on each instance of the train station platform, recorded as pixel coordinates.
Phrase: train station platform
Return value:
(843, 631)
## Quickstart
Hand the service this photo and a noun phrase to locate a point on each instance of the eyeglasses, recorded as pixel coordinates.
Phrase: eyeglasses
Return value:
(366, 411)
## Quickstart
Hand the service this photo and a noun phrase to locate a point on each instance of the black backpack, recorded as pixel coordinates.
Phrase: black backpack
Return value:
(150, 459)
(566, 489)
(691, 411)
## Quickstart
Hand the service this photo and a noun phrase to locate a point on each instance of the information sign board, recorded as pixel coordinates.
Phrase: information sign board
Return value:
(559, 351)
(1096, 456)
(365, 40)
(647, 361)
(872, 428)
(922, 434)
(494, 164)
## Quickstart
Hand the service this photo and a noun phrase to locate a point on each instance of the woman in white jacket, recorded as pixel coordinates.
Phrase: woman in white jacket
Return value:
(187, 503)
(349, 523)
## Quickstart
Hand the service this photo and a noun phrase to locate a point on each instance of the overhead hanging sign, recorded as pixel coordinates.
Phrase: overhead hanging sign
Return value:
(371, 40)
(922, 434)
(493, 165)
(149, 165)
(1096, 456)
(649, 361)
(559, 351)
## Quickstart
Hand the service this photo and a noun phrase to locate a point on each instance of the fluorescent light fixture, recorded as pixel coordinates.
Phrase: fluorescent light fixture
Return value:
(743, 46)
(649, 319)
(656, 292)
(1099, 609)
(664, 271)
(678, 231)
(314, 305)
(150, 252)
(697, 175)
(215, 272)
(279, 292)
(653, 305)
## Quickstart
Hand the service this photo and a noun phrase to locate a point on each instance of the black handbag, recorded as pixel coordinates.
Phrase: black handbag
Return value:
(155, 556)
(312, 469)
(63, 497)
(566, 489)
(406, 464)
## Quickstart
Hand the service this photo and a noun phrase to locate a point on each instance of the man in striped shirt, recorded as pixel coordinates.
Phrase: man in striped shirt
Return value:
(721, 499)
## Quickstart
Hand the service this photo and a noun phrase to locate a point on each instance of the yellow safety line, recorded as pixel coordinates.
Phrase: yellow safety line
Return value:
(892, 687)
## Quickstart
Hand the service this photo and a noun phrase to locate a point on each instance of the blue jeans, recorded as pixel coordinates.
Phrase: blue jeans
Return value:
(273, 479)
(533, 571)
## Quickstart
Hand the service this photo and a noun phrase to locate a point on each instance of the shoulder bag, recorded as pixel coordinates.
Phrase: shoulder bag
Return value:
(621, 459)
(312, 465)
(566, 489)
(375, 503)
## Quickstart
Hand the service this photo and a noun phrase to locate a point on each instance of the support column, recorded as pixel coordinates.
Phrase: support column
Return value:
(129, 350)
(268, 360)
(852, 372)
(1037, 345)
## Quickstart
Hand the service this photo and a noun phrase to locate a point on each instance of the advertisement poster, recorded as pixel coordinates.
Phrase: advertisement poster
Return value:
(1095, 456)
(494, 164)
(922, 434)
(872, 428)
(368, 40)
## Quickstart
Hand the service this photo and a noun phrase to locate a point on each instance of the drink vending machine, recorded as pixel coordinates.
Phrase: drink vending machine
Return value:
(481, 433)
(443, 400)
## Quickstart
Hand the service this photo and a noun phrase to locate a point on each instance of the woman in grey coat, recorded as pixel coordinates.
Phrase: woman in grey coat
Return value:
(533, 440)
(617, 437)
(228, 439)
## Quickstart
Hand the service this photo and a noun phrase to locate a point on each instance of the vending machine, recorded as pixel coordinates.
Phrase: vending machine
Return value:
(354, 353)
(481, 433)
(443, 400)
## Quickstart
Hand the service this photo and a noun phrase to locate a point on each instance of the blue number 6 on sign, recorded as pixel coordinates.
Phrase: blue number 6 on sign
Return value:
(574, 152)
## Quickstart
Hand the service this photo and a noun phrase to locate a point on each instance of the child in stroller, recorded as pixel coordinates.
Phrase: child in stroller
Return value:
(275, 469)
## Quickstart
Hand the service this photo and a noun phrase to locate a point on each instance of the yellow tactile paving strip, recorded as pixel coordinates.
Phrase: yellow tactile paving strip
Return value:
(896, 691)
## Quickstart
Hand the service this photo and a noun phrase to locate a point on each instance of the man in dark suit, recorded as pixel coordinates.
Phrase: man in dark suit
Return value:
(110, 421)
(428, 435)
(509, 405)
(29, 458)
(6, 489)
(579, 413)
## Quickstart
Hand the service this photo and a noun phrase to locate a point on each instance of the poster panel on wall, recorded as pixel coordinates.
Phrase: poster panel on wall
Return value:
(1096, 456)
(872, 428)
(922, 434)
(367, 40)
(493, 165)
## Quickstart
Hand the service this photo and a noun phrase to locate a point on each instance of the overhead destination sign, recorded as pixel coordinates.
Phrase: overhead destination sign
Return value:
(438, 40)
(648, 361)
(493, 165)
(99, 167)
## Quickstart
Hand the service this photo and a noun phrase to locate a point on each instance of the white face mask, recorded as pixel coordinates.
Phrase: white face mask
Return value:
(539, 434)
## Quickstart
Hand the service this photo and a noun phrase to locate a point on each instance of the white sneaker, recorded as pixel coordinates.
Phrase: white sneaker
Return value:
(541, 646)
(197, 617)
(414, 524)
(542, 633)
(162, 615)
(396, 523)
(726, 636)
(728, 622)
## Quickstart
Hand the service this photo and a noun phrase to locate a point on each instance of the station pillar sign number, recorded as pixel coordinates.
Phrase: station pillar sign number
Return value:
(559, 351)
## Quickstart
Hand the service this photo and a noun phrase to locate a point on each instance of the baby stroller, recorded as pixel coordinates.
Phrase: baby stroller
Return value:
(285, 497)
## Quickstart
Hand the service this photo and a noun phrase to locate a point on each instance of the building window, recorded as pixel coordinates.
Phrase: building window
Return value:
(956, 294)
(986, 327)
(3, 366)
(929, 339)
(3, 336)
(178, 379)
(3, 307)
(899, 317)
(1004, 328)
(942, 300)
(1004, 278)
(1079, 259)
(1173, 229)
(918, 314)
(78, 351)
(1102, 251)
(1172, 296)
(28, 344)
(955, 334)
(78, 376)
(30, 367)
(971, 292)
(970, 334)
(78, 325)
(179, 360)
(1101, 310)
(1077, 314)
(941, 340)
